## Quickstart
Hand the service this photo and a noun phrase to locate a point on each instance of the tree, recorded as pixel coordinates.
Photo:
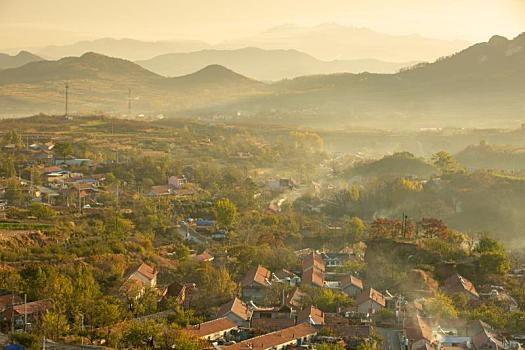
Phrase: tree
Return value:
(354, 228)
(63, 149)
(42, 211)
(107, 311)
(445, 162)
(142, 334)
(27, 340)
(487, 244)
(369, 344)
(54, 324)
(225, 212)
(494, 263)
(440, 307)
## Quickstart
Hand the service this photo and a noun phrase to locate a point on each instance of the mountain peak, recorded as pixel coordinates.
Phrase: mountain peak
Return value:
(498, 40)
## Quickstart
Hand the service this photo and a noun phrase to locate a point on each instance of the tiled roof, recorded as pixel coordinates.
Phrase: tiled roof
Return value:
(32, 307)
(371, 294)
(259, 275)
(313, 260)
(295, 299)
(147, 271)
(275, 339)
(283, 274)
(351, 280)
(418, 329)
(313, 277)
(204, 256)
(457, 284)
(312, 315)
(8, 300)
(211, 327)
(237, 307)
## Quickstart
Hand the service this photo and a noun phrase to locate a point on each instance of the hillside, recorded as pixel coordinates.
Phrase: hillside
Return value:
(126, 48)
(101, 83)
(485, 156)
(402, 164)
(23, 57)
(331, 41)
(264, 64)
(481, 86)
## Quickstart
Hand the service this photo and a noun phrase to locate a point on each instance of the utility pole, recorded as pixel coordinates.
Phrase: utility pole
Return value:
(117, 208)
(67, 98)
(82, 329)
(25, 312)
(79, 200)
(129, 102)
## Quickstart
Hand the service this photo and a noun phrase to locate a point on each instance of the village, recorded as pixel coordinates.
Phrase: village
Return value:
(91, 252)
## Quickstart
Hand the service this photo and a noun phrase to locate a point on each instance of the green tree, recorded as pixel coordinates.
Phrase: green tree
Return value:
(28, 340)
(445, 162)
(225, 212)
(440, 307)
(354, 228)
(106, 312)
(54, 324)
(494, 263)
(63, 149)
(42, 211)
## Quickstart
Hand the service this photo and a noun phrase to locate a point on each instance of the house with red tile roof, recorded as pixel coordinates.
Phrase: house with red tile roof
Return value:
(313, 277)
(273, 319)
(138, 279)
(286, 338)
(256, 284)
(8, 300)
(351, 285)
(311, 315)
(31, 311)
(370, 301)
(237, 311)
(457, 284)
(295, 299)
(214, 329)
(313, 261)
(419, 334)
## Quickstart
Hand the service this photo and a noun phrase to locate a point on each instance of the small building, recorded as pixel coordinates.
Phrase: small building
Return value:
(9, 300)
(351, 285)
(313, 261)
(370, 301)
(237, 311)
(295, 299)
(32, 312)
(256, 284)
(205, 256)
(138, 280)
(287, 277)
(419, 334)
(298, 335)
(457, 284)
(313, 278)
(214, 329)
(273, 319)
(311, 315)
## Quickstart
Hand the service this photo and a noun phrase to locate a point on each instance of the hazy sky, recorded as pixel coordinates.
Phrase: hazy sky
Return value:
(43, 22)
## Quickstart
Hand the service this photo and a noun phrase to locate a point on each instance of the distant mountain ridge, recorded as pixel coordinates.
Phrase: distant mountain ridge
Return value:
(481, 86)
(326, 42)
(130, 49)
(331, 41)
(262, 64)
(101, 83)
(13, 61)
